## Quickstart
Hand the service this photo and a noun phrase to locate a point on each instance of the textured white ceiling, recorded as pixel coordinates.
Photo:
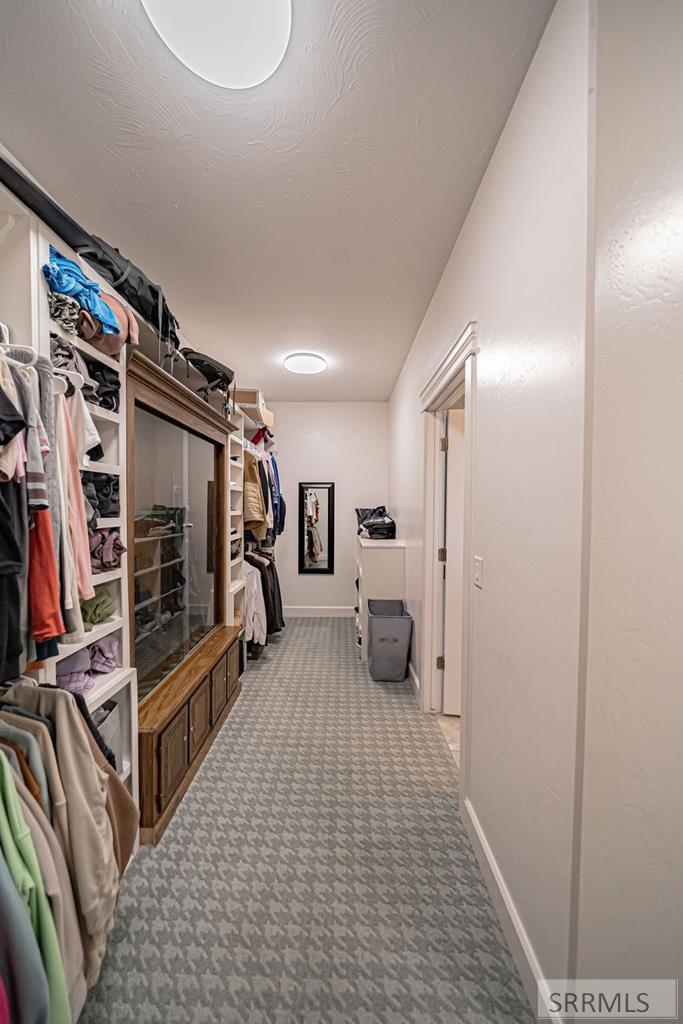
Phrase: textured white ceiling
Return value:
(315, 211)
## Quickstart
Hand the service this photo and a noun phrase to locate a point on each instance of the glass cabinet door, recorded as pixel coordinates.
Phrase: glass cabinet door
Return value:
(175, 522)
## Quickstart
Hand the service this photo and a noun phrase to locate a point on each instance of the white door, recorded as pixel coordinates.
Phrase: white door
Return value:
(455, 536)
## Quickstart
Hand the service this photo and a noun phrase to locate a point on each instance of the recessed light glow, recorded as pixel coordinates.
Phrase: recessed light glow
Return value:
(232, 43)
(305, 362)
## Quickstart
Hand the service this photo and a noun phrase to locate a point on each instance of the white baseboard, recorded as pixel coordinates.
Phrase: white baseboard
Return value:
(413, 676)
(301, 611)
(508, 915)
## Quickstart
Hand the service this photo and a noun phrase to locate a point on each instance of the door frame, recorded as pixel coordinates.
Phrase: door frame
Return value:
(453, 379)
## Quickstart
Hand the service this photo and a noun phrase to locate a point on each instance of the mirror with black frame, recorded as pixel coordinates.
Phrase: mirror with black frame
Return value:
(316, 528)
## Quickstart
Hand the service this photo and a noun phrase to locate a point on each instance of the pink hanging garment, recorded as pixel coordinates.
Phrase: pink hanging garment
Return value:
(78, 526)
(4, 1007)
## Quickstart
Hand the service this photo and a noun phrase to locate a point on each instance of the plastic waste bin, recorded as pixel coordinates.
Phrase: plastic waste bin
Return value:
(390, 629)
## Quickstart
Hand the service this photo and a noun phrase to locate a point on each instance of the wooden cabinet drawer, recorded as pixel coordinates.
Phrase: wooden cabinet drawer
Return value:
(233, 657)
(219, 688)
(200, 716)
(173, 755)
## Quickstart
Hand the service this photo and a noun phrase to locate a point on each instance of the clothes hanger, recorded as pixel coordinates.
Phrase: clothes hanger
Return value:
(75, 378)
(59, 386)
(5, 341)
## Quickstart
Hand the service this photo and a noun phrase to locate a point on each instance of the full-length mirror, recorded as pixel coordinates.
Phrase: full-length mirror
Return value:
(316, 528)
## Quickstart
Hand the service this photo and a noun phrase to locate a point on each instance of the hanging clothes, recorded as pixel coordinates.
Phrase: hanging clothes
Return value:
(255, 513)
(271, 589)
(77, 522)
(42, 379)
(255, 624)
(92, 860)
(55, 875)
(20, 857)
(12, 423)
(13, 731)
(21, 966)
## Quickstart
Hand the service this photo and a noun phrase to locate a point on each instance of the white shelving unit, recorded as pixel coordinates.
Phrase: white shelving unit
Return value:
(235, 523)
(24, 248)
(380, 569)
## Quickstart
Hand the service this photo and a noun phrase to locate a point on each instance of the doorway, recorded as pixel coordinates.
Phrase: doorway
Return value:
(448, 401)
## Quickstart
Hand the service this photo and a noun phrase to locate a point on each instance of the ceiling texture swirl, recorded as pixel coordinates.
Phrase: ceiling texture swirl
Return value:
(313, 212)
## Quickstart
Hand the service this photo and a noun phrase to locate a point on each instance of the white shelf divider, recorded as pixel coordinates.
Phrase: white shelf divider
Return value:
(84, 346)
(99, 413)
(105, 577)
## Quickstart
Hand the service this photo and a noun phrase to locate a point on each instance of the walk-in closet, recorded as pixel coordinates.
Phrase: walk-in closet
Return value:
(140, 505)
(340, 580)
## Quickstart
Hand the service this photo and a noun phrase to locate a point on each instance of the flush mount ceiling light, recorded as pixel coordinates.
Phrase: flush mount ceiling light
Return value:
(305, 362)
(232, 43)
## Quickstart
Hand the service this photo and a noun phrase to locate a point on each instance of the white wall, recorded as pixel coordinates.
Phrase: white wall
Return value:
(631, 895)
(341, 442)
(519, 269)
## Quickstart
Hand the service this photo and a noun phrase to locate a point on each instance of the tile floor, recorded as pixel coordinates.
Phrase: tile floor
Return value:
(450, 726)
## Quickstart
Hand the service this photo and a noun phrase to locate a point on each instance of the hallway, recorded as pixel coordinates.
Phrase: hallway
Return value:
(295, 883)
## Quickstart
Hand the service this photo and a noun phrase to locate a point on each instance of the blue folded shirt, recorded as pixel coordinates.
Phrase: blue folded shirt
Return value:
(65, 276)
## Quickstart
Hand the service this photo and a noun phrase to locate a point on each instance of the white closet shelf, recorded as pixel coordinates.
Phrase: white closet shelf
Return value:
(236, 585)
(108, 522)
(105, 577)
(235, 511)
(153, 568)
(236, 488)
(96, 633)
(108, 685)
(236, 439)
(84, 346)
(235, 561)
(102, 467)
(99, 413)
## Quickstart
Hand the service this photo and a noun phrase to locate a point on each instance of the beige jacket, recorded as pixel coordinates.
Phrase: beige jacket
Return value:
(93, 861)
(123, 814)
(255, 514)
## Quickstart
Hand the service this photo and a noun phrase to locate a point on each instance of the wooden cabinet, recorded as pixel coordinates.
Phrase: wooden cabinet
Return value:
(173, 756)
(219, 687)
(178, 722)
(200, 716)
(233, 658)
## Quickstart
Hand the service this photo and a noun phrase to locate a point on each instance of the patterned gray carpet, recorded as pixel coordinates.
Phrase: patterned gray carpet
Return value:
(317, 871)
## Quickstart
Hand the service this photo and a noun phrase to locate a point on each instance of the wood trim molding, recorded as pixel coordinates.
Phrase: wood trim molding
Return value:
(440, 389)
(452, 380)
(155, 388)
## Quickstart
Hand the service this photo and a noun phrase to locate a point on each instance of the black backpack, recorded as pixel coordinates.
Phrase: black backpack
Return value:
(135, 287)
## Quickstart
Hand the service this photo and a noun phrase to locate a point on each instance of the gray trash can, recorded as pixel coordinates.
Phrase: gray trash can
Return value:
(390, 629)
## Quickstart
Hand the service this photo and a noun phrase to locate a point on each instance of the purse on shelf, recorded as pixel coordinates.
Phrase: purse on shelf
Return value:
(89, 328)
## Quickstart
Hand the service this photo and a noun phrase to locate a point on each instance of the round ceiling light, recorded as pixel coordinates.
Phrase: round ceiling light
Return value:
(232, 43)
(305, 362)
